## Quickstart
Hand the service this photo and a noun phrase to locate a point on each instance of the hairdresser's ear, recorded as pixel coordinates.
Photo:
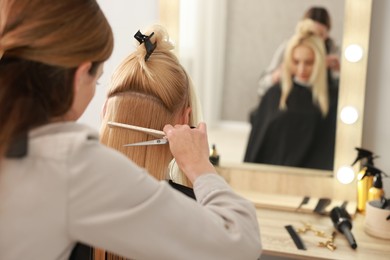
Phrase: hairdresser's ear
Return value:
(82, 76)
(84, 90)
(186, 116)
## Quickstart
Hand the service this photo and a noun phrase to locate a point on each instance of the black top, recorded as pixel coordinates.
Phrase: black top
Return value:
(298, 136)
(183, 189)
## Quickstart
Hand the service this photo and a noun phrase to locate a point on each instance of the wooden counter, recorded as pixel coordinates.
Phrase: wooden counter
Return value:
(277, 242)
(276, 197)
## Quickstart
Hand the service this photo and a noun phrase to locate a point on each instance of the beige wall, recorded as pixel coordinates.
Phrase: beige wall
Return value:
(376, 130)
(125, 18)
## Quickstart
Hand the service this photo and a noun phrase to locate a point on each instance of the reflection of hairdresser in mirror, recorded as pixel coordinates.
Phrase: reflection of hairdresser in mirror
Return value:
(271, 75)
(60, 186)
(149, 93)
(294, 123)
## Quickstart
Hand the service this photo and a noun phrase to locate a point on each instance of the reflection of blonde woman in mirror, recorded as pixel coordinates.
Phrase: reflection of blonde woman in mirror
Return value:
(294, 124)
(321, 26)
(149, 93)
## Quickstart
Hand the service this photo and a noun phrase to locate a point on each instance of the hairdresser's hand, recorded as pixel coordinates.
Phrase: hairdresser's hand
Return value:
(276, 74)
(333, 62)
(190, 149)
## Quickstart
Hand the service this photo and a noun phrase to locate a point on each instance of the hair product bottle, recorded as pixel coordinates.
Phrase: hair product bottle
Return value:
(214, 156)
(364, 177)
(376, 191)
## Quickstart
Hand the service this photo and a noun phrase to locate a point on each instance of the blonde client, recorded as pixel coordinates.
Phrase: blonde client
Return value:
(295, 122)
(149, 89)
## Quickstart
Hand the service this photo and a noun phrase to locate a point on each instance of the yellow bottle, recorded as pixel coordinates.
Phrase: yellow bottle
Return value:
(364, 177)
(376, 191)
(364, 183)
(362, 190)
(214, 156)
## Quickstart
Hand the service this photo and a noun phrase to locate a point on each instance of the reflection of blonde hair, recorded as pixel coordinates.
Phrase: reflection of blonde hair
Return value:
(305, 35)
(149, 94)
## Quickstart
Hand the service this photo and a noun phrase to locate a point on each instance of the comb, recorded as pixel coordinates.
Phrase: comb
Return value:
(153, 132)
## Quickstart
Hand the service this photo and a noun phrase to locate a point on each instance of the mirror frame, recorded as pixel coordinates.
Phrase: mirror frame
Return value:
(357, 22)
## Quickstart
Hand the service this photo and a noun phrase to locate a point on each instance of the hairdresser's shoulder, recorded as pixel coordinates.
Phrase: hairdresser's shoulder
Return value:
(64, 133)
(60, 140)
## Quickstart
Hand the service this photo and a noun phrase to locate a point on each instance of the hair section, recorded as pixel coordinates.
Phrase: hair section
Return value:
(149, 94)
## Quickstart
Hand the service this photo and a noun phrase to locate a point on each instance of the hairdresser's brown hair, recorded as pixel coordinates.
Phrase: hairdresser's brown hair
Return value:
(320, 15)
(149, 94)
(42, 42)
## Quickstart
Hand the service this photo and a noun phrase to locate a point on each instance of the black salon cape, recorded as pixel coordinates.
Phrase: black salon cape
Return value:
(298, 136)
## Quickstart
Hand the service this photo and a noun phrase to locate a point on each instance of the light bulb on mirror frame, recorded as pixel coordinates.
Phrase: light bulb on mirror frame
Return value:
(353, 53)
(345, 174)
(349, 115)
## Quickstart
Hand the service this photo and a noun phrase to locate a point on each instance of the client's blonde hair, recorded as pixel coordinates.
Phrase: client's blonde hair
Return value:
(306, 35)
(149, 94)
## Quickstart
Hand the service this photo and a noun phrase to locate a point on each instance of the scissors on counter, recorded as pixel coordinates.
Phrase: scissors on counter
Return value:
(156, 133)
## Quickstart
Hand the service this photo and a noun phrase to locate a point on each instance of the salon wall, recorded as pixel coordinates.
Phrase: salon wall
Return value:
(376, 129)
(126, 17)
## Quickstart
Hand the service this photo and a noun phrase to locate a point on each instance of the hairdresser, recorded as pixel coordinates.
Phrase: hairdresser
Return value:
(60, 186)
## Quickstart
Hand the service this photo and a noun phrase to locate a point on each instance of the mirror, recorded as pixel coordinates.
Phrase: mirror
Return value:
(247, 38)
(208, 46)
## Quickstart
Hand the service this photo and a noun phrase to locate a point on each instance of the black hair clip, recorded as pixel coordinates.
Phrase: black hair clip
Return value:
(149, 46)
